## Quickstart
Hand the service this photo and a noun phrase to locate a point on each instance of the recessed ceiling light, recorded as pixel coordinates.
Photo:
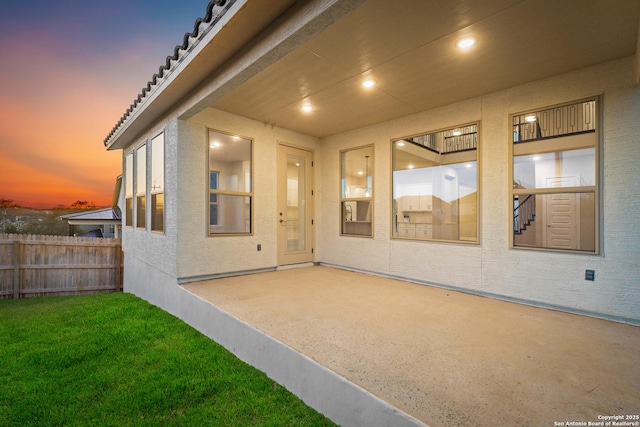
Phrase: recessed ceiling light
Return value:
(307, 108)
(368, 83)
(360, 173)
(457, 133)
(215, 144)
(410, 166)
(466, 43)
(536, 158)
(400, 144)
(530, 118)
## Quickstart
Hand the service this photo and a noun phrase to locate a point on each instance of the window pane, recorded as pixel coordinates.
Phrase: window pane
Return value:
(435, 186)
(128, 189)
(128, 175)
(141, 170)
(572, 168)
(296, 189)
(555, 221)
(231, 156)
(140, 211)
(357, 173)
(554, 150)
(141, 186)
(574, 119)
(231, 214)
(230, 171)
(356, 188)
(356, 216)
(157, 164)
(213, 214)
(157, 183)
(129, 211)
(157, 212)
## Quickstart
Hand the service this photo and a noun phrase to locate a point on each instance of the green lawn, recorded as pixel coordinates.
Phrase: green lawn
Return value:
(115, 360)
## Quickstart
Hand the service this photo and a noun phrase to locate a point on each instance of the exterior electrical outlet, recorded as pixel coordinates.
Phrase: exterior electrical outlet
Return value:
(589, 275)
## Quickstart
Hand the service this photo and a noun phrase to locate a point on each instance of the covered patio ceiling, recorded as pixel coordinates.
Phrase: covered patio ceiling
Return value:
(324, 50)
(408, 49)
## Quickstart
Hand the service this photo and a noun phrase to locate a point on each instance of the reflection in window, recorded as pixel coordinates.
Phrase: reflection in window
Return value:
(357, 191)
(128, 189)
(230, 184)
(435, 186)
(141, 186)
(555, 178)
(213, 198)
(157, 183)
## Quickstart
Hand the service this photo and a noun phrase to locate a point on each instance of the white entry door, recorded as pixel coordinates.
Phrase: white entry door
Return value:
(295, 205)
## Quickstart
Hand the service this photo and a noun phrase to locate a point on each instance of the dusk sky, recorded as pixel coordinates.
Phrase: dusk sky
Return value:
(68, 71)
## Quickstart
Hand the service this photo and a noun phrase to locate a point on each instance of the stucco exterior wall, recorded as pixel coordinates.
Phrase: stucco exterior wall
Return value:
(539, 277)
(185, 251)
(202, 255)
(158, 250)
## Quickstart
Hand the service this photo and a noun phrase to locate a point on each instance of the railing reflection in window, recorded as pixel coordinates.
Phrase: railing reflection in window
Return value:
(555, 122)
(449, 141)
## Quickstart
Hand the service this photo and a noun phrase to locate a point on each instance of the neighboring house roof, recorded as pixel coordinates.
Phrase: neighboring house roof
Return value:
(112, 214)
(281, 53)
(106, 215)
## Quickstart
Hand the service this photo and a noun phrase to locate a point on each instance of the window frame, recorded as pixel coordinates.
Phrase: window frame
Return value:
(544, 191)
(369, 185)
(250, 194)
(394, 223)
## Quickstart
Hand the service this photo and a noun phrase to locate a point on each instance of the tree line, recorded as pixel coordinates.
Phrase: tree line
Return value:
(78, 204)
(15, 219)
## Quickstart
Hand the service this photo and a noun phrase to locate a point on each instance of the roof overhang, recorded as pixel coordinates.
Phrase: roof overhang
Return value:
(263, 62)
(210, 45)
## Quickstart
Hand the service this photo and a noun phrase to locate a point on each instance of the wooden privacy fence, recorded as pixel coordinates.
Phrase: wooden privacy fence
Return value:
(32, 266)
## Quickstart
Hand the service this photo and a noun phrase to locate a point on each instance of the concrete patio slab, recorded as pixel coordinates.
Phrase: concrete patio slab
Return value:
(443, 357)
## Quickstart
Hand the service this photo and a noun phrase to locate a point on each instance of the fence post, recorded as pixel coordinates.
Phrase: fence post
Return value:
(16, 269)
(118, 250)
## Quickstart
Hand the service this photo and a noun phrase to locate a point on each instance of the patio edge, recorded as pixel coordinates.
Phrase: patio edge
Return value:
(340, 400)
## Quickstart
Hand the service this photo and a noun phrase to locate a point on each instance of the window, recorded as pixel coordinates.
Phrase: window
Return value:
(554, 178)
(157, 183)
(141, 186)
(435, 185)
(356, 198)
(230, 184)
(128, 189)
